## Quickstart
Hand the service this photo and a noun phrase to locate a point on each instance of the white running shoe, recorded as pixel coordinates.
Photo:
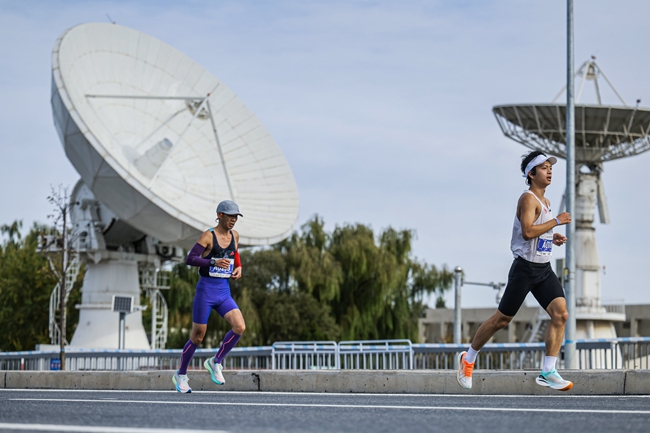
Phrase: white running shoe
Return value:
(215, 371)
(553, 380)
(181, 381)
(464, 374)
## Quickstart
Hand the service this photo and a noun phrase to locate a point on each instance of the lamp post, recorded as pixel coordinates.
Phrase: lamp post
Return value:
(458, 283)
(570, 360)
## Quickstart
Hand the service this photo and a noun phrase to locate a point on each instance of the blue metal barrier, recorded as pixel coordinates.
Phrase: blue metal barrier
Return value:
(613, 353)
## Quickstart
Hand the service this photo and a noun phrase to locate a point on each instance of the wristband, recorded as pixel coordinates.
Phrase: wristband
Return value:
(557, 221)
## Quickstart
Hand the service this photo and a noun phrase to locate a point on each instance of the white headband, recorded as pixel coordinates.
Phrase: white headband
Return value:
(539, 159)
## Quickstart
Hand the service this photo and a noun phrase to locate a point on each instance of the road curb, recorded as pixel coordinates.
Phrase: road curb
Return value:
(486, 382)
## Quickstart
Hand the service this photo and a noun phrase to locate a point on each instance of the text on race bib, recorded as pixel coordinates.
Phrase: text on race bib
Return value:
(217, 272)
(544, 245)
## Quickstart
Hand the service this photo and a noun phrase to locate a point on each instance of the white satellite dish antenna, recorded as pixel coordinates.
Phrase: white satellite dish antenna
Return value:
(159, 142)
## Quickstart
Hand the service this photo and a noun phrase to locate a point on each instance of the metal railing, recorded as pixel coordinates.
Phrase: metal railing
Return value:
(376, 355)
(500, 356)
(614, 353)
(305, 355)
(240, 358)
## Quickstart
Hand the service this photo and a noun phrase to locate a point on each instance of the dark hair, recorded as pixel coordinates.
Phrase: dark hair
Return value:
(526, 159)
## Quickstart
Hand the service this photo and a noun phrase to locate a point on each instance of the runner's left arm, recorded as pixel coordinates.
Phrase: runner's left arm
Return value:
(236, 273)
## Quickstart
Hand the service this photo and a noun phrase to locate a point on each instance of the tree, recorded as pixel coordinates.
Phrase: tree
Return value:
(57, 248)
(26, 284)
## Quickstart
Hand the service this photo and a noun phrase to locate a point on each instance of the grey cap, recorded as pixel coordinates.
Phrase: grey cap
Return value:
(228, 207)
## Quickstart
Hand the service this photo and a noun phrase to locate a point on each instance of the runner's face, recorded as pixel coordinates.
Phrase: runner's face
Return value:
(544, 173)
(228, 221)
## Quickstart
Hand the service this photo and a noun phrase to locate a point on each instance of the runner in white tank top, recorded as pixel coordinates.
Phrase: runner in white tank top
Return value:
(531, 244)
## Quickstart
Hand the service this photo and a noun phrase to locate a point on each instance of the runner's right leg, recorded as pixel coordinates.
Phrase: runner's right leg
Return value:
(180, 378)
(554, 336)
(513, 296)
(201, 312)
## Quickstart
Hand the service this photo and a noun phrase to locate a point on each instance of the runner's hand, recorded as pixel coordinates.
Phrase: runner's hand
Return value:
(222, 263)
(236, 273)
(559, 239)
(564, 218)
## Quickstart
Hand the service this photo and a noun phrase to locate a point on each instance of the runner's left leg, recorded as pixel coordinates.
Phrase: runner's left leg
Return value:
(555, 333)
(236, 320)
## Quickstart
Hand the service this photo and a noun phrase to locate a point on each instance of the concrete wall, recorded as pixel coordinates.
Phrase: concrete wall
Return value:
(438, 325)
(486, 382)
(637, 322)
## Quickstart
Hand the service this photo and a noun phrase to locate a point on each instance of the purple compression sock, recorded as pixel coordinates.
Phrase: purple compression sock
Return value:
(186, 356)
(229, 341)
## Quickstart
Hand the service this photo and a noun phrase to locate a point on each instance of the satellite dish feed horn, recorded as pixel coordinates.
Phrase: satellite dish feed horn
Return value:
(590, 71)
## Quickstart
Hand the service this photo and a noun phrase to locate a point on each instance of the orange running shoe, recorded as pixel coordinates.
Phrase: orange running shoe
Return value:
(464, 374)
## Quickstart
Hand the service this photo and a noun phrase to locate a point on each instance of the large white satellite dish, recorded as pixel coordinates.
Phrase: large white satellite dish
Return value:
(159, 142)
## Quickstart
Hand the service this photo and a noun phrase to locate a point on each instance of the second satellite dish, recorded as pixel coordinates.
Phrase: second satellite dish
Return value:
(160, 140)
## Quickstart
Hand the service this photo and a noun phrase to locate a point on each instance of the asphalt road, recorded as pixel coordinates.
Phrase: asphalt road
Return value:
(243, 412)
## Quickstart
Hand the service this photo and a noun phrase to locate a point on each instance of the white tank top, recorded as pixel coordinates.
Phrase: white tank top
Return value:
(537, 250)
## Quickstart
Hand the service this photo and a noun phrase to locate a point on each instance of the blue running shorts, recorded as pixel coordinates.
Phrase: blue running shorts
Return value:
(212, 293)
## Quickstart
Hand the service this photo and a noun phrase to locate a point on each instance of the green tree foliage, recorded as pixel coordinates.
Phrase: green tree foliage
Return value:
(26, 283)
(348, 284)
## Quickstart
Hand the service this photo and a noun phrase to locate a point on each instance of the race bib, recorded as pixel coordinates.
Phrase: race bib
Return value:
(544, 244)
(217, 272)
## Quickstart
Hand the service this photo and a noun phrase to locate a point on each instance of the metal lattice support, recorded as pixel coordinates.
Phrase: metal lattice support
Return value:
(70, 278)
(159, 314)
(152, 281)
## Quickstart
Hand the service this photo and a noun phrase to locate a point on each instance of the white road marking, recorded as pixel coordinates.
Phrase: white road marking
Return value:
(308, 393)
(343, 406)
(92, 429)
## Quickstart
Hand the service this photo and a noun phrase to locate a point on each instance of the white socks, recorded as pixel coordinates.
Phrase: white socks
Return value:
(471, 355)
(549, 363)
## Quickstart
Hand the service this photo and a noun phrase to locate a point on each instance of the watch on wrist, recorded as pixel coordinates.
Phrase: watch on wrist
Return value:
(212, 260)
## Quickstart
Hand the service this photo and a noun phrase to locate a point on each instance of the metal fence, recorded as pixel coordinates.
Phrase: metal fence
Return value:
(376, 355)
(501, 356)
(240, 358)
(611, 353)
(305, 355)
(616, 353)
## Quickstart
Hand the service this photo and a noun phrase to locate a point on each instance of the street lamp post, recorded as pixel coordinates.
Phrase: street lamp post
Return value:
(570, 360)
(458, 283)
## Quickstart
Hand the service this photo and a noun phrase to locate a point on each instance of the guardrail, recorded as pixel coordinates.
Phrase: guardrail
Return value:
(615, 353)
(305, 355)
(240, 358)
(500, 356)
(607, 353)
(376, 355)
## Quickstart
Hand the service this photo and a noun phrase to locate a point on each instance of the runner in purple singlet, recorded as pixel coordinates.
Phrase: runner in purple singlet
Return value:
(216, 256)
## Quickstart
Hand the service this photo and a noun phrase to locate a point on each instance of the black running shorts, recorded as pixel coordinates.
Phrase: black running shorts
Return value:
(524, 277)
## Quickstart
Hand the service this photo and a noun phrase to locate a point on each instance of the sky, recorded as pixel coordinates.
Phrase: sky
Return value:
(383, 110)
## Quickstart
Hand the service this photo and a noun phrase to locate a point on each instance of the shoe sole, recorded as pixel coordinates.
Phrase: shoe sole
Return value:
(548, 385)
(206, 365)
(189, 391)
(459, 358)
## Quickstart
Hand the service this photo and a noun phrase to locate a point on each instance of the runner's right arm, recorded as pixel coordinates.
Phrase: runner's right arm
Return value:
(195, 256)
